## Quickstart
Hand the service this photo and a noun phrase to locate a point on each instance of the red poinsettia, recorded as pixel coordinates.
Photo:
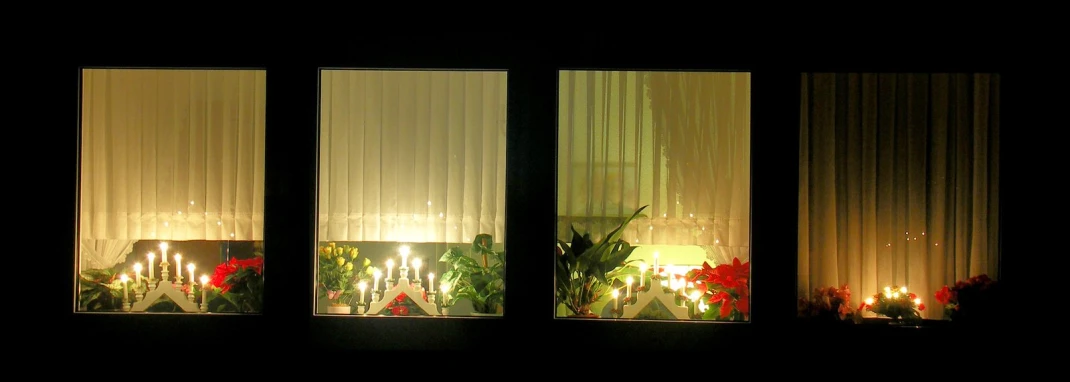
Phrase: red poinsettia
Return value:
(396, 306)
(727, 284)
(234, 265)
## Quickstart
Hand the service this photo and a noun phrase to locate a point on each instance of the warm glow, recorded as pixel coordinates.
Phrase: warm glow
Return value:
(695, 295)
(655, 255)
(124, 278)
(629, 280)
(416, 263)
(190, 267)
(445, 287)
(389, 263)
(137, 267)
(917, 301)
(404, 250)
(903, 289)
(616, 293)
(152, 256)
(362, 286)
(204, 279)
(895, 295)
(178, 257)
(642, 267)
(377, 273)
(869, 301)
(887, 289)
(163, 247)
(431, 278)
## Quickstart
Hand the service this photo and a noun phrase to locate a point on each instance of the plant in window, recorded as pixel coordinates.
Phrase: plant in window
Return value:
(240, 283)
(974, 298)
(586, 271)
(896, 303)
(482, 282)
(100, 290)
(830, 304)
(339, 270)
(726, 288)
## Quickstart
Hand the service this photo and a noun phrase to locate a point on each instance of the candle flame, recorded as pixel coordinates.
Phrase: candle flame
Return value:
(416, 263)
(404, 250)
(137, 267)
(445, 287)
(152, 256)
(917, 301)
(377, 273)
(642, 267)
(389, 263)
(869, 301)
(629, 280)
(204, 279)
(362, 285)
(163, 246)
(190, 267)
(902, 289)
(616, 293)
(124, 278)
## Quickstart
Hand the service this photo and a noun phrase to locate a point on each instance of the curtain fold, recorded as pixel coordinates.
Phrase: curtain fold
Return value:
(676, 141)
(172, 154)
(898, 181)
(412, 156)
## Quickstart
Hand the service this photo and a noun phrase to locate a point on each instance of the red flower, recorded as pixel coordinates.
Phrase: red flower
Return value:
(912, 296)
(921, 306)
(726, 302)
(943, 295)
(731, 275)
(228, 268)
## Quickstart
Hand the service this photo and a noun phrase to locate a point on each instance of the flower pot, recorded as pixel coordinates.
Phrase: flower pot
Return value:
(344, 309)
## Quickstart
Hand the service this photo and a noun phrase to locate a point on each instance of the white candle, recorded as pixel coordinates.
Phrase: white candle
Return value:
(126, 291)
(163, 252)
(616, 294)
(137, 275)
(362, 286)
(431, 280)
(389, 268)
(376, 275)
(656, 269)
(178, 267)
(445, 288)
(191, 278)
(152, 256)
(642, 272)
(404, 250)
(204, 289)
(416, 263)
(628, 281)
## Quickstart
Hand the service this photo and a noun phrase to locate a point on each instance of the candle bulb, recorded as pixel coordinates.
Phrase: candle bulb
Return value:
(204, 293)
(445, 288)
(362, 286)
(178, 267)
(416, 263)
(190, 267)
(163, 251)
(152, 257)
(642, 272)
(404, 251)
(137, 275)
(431, 280)
(656, 269)
(616, 294)
(376, 275)
(389, 269)
(126, 291)
(629, 281)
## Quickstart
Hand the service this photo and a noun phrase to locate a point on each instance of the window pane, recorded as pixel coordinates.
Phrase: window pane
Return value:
(673, 148)
(898, 195)
(411, 193)
(171, 191)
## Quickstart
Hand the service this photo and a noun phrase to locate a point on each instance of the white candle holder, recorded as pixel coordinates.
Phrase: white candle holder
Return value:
(389, 283)
(431, 297)
(376, 296)
(445, 311)
(192, 297)
(126, 306)
(656, 292)
(168, 290)
(152, 284)
(138, 297)
(163, 273)
(204, 306)
(403, 286)
(404, 270)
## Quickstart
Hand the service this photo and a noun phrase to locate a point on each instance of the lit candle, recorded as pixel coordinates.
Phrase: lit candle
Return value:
(376, 275)
(404, 251)
(191, 278)
(389, 268)
(628, 281)
(431, 279)
(362, 286)
(163, 252)
(137, 275)
(616, 294)
(642, 271)
(178, 267)
(126, 291)
(903, 290)
(670, 271)
(656, 269)
(445, 288)
(695, 295)
(204, 289)
(416, 263)
(152, 257)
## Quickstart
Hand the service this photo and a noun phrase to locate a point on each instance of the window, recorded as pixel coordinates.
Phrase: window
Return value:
(671, 149)
(411, 193)
(898, 195)
(171, 196)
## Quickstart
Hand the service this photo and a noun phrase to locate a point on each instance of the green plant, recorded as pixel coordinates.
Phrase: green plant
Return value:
(339, 272)
(586, 271)
(482, 283)
(100, 290)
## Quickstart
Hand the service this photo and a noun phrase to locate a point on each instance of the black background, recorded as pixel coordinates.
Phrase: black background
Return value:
(529, 325)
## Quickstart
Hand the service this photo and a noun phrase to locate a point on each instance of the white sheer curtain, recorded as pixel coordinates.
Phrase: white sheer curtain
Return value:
(170, 154)
(412, 156)
(679, 142)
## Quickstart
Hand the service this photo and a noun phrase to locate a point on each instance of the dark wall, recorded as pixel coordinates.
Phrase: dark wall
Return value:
(292, 115)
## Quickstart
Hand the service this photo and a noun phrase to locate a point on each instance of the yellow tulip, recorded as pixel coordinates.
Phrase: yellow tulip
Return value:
(367, 262)
(349, 267)
(331, 244)
(353, 253)
(340, 260)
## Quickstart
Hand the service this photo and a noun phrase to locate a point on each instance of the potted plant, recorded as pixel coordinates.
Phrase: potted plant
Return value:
(481, 282)
(586, 271)
(896, 303)
(338, 272)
